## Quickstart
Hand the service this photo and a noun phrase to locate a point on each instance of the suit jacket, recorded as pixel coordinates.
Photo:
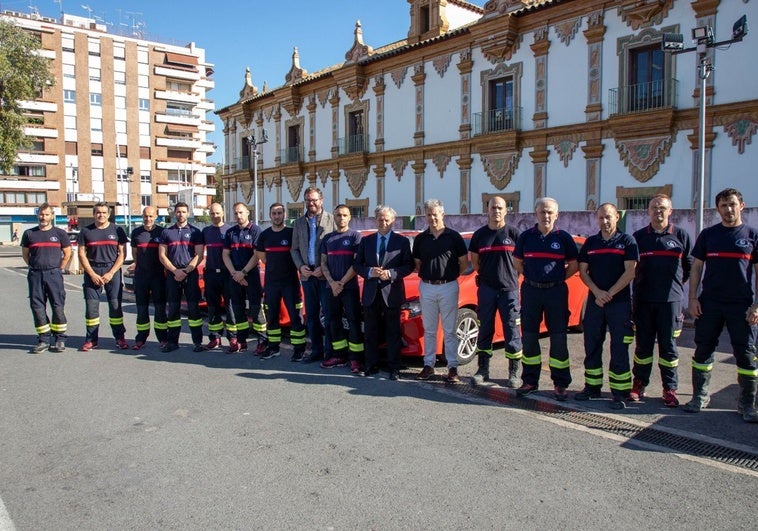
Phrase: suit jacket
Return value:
(300, 235)
(397, 259)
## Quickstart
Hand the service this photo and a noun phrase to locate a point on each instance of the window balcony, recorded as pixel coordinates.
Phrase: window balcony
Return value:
(497, 120)
(291, 155)
(354, 144)
(642, 97)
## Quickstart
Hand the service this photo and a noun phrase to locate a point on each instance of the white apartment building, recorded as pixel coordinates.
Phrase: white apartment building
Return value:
(125, 123)
(573, 99)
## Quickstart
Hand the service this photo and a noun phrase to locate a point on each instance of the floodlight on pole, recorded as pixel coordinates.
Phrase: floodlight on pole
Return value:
(253, 144)
(704, 39)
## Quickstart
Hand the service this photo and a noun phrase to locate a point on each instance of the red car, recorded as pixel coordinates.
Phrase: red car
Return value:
(467, 326)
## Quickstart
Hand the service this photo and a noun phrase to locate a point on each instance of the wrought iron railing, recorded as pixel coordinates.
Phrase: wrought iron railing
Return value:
(497, 120)
(641, 97)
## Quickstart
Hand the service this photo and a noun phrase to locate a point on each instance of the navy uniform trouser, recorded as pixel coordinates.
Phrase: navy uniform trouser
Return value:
(273, 297)
(47, 285)
(661, 321)
(347, 304)
(113, 294)
(191, 290)
(489, 302)
(315, 291)
(217, 286)
(708, 328)
(246, 302)
(552, 303)
(150, 286)
(616, 318)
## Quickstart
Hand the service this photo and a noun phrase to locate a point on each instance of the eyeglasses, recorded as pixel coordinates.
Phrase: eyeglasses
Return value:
(313, 200)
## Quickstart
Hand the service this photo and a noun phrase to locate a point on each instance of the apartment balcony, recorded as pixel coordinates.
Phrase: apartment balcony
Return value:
(174, 116)
(237, 164)
(353, 144)
(44, 106)
(643, 97)
(206, 105)
(497, 120)
(172, 95)
(17, 182)
(206, 83)
(176, 73)
(36, 158)
(291, 155)
(207, 126)
(188, 143)
(208, 147)
(40, 131)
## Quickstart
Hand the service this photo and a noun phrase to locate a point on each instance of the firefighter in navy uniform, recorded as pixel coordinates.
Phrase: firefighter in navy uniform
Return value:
(149, 279)
(46, 250)
(606, 265)
(102, 249)
(729, 253)
(546, 256)
(281, 283)
(216, 277)
(491, 251)
(657, 292)
(180, 251)
(343, 297)
(245, 291)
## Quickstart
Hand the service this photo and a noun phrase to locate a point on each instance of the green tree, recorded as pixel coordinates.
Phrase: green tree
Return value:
(23, 76)
(219, 184)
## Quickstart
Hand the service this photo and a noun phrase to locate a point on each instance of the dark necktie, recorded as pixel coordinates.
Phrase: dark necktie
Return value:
(382, 249)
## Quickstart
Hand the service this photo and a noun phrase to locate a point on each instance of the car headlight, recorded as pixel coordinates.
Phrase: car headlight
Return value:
(413, 306)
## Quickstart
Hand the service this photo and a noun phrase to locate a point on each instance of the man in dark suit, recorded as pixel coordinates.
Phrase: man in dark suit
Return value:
(383, 260)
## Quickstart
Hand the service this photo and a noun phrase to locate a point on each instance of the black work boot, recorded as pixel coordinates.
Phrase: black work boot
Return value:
(701, 381)
(514, 381)
(483, 372)
(746, 400)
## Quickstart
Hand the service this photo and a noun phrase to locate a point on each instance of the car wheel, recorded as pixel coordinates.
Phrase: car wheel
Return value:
(467, 330)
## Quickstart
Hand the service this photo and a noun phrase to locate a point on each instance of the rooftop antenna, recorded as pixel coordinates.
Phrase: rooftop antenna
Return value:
(60, 3)
(137, 26)
(88, 9)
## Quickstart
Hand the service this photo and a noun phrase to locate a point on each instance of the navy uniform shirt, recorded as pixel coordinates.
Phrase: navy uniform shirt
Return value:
(545, 257)
(180, 243)
(45, 246)
(439, 256)
(606, 261)
(213, 237)
(241, 243)
(280, 267)
(664, 265)
(145, 245)
(729, 254)
(340, 249)
(102, 244)
(495, 249)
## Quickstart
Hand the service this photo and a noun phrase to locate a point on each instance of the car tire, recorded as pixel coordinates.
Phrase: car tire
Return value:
(467, 330)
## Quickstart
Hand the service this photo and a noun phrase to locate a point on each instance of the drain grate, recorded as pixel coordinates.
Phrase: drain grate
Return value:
(646, 434)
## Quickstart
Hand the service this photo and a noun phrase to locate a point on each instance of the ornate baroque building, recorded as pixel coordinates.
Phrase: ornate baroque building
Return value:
(574, 99)
(125, 123)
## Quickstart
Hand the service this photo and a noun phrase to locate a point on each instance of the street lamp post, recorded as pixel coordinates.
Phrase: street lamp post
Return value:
(703, 37)
(253, 144)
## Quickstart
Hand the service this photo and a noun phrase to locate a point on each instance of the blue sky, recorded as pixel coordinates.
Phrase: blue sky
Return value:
(260, 34)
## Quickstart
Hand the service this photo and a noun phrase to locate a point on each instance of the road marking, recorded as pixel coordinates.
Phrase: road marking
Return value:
(6, 524)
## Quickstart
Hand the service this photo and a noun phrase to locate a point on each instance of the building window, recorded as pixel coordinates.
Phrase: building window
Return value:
(37, 146)
(174, 108)
(292, 153)
(96, 124)
(294, 210)
(69, 96)
(145, 177)
(144, 104)
(358, 207)
(646, 79)
(29, 171)
(94, 74)
(145, 200)
(144, 152)
(356, 126)
(95, 98)
(23, 198)
(96, 150)
(119, 78)
(500, 100)
(512, 200)
(173, 199)
(638, 198)
(424, 19)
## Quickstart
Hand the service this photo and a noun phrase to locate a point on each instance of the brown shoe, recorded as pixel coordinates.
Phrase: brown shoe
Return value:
(452, 375)
(426, 373)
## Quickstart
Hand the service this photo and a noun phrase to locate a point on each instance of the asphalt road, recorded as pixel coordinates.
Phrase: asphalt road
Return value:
(114, 440)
